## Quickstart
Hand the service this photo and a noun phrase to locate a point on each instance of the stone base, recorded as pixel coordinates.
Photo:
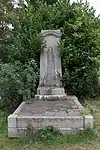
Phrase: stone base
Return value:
(45, 90)
(63, 114)
(51, 97)
(50, 93)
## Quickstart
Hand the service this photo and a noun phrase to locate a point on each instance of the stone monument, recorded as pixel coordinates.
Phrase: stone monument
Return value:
(51, 107)
(50, 86)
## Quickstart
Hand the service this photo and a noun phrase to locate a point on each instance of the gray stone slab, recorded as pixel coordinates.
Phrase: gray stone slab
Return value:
(55, 121)
(62, 114)
(16, 132)
(88, 121)
(42, 107)
(12, 120)
(50, 91)
(17, 111)
(51, 97)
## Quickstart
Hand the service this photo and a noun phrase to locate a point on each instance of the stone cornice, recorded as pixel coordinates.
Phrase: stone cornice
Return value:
(56, 33)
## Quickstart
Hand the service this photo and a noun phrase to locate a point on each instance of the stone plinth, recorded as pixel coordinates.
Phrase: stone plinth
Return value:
(63, 114)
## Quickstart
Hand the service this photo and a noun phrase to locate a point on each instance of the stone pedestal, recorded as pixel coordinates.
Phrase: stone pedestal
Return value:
(63, 114)
(50, 86)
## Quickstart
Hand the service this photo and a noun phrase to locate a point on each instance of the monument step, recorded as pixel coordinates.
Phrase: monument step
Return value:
(50, 90)
(51, 97)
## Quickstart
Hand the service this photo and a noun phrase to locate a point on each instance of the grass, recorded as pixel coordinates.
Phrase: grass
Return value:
(51, 139)
(85, 111)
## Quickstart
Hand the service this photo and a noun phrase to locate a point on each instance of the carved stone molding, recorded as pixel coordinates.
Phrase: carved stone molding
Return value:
(56, 33)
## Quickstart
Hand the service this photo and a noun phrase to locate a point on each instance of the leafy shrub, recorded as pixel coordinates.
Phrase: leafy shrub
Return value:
(47, 135)
(85, 111)
(17, 83)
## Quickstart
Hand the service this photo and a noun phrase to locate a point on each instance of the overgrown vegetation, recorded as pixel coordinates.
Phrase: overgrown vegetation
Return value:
(80, 49)
(18, 83)
(50, 137)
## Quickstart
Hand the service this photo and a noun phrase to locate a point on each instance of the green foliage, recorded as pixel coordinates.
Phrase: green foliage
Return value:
(3, 124)
(17, 83)
(45, 135)
(80, 47)
(85, 111)
(4, 30)
(8, 16)
(49, 2)
(50, 136)
(26, 43)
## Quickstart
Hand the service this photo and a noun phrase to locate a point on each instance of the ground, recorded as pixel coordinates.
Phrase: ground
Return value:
(89, 140)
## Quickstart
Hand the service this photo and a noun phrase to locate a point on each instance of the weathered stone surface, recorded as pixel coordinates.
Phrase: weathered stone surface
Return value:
(50, 61)
(50, 91)
(12, 121)
(50, 97)
(65, 121)
(50, 65)
(62, 114)
(16, 132)
(17, 111)
(42, 107)
(88, 121)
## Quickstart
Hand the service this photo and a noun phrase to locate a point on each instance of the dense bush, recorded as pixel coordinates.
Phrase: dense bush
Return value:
(80, 46)
(17, 83)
